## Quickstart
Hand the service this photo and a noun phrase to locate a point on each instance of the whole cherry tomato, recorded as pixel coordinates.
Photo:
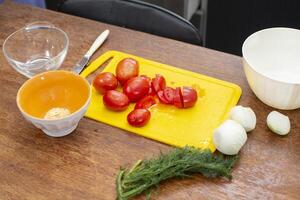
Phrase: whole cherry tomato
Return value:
(104, 82)
(138, 117)
(136, 88)
(115, 100)
(189, 97)
(147, 78)
(127, 69)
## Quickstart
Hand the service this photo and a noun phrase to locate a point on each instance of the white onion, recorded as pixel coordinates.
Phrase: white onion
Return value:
(244, 116)
(229, 137)
(278, 123)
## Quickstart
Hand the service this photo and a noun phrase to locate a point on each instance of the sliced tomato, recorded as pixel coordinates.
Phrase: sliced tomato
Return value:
(151, 91)
(138, 117)
(145, 102)
(158, 83)
(169, 94)
(178, 98)
(162, 98)
(189, 97)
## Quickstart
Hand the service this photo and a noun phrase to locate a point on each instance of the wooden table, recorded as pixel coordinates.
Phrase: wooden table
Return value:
(84, 164)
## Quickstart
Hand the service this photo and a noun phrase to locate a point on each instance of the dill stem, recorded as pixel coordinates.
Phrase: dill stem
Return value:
(119, 186)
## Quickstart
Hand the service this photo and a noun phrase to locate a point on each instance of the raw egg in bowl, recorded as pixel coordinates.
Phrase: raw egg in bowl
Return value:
(54, 101)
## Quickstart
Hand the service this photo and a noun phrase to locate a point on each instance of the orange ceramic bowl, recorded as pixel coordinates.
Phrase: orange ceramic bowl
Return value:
(54, 89)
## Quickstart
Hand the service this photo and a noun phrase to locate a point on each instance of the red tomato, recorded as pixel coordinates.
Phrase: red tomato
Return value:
(178, 102)
(147, 78)
(104, 82)
(151, 91)
(145, 102)
(136, 88)
(169, 94)
(189, 97)
(115, 100)
(162, 98)
(138, 117)
(127, 69)
(158, 83)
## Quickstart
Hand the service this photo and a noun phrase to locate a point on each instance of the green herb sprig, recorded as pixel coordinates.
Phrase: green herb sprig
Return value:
(179, 163)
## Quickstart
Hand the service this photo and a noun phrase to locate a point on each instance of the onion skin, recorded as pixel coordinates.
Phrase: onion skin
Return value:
(229, 137)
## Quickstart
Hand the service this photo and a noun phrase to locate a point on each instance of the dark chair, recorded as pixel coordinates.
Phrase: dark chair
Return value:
(135, 15)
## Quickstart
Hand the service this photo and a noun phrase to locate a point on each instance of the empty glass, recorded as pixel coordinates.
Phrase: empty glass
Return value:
(36, 48)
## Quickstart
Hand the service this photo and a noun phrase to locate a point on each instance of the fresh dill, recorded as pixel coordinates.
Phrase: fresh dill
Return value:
(178, 163)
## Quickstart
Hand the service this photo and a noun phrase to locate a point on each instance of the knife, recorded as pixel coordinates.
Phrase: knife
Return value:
(84, 61)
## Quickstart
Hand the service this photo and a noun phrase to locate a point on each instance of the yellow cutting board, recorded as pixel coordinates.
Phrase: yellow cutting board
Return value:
(168, 124)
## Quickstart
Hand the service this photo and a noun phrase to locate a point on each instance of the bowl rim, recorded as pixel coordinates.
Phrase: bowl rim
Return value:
(24, 28)
(59, 119)
(250, 65)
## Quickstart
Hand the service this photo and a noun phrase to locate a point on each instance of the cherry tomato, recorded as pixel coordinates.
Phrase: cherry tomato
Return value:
(169, 94)
(189, 97)
(136, 88)
(162, 98)
(104, 82)
(127, 69)
(158, 83)
(145, 102)
(138, 117)
(151, 91)
(178, 102)
(115, 100)
(147, 78)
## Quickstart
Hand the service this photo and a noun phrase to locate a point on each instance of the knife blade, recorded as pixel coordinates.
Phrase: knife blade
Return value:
(84, 61)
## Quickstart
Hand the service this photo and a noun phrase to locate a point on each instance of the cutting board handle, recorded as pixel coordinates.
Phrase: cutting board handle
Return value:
(98, 63)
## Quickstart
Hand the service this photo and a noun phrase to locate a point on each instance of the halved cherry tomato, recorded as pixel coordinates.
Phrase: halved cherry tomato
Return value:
(115, 100)
(169, 94)
(127, 69)
(162, 98)
(178, 98)
(104, 82)
(189, 97)
(136, 88)
(138, 117)
(158, 83)
(151, 91)
(145, 102)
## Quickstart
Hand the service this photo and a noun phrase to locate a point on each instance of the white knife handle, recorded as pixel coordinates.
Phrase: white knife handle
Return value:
(98, 42)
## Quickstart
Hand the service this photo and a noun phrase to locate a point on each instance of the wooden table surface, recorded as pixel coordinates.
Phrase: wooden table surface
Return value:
(84, 164)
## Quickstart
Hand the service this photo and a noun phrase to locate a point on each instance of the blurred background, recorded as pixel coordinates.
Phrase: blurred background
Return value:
(216, 24)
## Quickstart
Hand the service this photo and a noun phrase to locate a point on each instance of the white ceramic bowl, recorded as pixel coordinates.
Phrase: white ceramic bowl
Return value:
(271, 60)
(53, 89)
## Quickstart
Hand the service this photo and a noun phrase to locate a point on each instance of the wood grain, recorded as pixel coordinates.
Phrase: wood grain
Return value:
(84, 164)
